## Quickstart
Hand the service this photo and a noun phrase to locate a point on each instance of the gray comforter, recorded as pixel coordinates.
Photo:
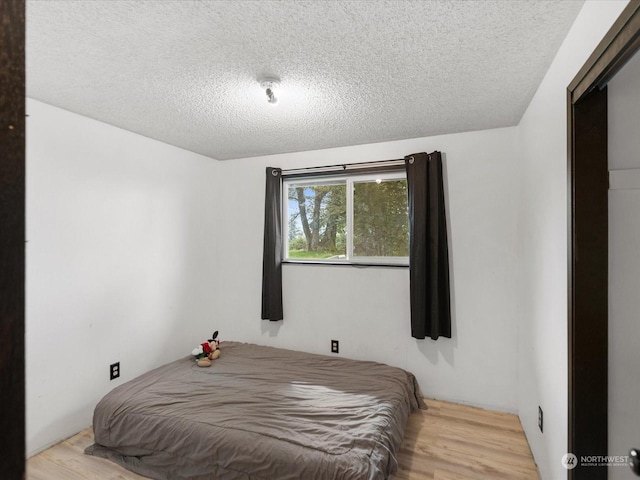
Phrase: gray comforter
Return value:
(259, 413)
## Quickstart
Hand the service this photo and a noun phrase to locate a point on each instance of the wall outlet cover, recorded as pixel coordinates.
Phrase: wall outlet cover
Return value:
(335, 347)
(540, 419)
(114, 371)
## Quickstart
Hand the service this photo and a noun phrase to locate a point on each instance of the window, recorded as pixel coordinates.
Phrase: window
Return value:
(347, 219)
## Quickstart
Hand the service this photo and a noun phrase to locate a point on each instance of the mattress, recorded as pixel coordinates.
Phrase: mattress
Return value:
(259, 413)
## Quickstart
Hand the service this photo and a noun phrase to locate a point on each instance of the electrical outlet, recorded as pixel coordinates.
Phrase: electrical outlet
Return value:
(540, 418)
(334, 346)
(114, 371)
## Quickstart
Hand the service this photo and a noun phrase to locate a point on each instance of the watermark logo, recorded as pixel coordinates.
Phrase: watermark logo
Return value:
(569, 461)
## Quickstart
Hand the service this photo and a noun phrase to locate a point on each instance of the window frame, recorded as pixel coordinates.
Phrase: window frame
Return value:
(349, 179)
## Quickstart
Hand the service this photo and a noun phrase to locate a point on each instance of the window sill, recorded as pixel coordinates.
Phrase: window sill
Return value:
(345, 264)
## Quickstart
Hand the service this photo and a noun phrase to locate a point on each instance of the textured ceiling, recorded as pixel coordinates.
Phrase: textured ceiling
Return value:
(352, 72)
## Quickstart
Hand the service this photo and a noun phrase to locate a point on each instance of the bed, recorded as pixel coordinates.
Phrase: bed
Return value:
(259, 413)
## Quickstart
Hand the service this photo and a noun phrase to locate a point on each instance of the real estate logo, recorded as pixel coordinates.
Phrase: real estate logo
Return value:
(569, 461)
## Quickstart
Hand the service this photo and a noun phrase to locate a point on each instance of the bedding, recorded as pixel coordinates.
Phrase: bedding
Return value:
(259, 413)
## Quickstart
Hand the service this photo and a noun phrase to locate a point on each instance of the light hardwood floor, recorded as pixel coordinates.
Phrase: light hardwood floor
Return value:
(445, 442)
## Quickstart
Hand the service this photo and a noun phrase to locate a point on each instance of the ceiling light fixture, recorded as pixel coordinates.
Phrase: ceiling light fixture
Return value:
(269, 85)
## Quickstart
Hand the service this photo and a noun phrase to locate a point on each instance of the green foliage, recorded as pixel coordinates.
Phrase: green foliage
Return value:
(380, 219)
(298, 243)
(306, 254)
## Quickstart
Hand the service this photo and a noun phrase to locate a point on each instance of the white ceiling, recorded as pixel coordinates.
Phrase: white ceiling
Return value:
(186, 72)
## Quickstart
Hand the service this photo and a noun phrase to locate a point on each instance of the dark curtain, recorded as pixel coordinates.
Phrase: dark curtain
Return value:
(272, 256)
(428, 251)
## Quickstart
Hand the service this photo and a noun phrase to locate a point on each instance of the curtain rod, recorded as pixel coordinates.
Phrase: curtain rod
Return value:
(342, 166)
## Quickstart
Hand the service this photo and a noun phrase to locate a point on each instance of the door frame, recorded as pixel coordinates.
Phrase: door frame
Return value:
(588, 184)
(12, 238)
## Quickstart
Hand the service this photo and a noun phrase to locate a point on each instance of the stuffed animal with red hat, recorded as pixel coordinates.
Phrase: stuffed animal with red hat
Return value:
(207, 351)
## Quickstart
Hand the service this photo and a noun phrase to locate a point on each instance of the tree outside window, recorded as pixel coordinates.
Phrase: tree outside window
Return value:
(349, 219)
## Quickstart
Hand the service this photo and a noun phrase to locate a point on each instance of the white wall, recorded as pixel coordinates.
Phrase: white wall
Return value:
(367, 309)
(121, 262)
(624, 266)
(542, 242)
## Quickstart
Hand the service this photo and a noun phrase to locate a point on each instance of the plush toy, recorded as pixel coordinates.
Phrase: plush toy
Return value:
(207, 351)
